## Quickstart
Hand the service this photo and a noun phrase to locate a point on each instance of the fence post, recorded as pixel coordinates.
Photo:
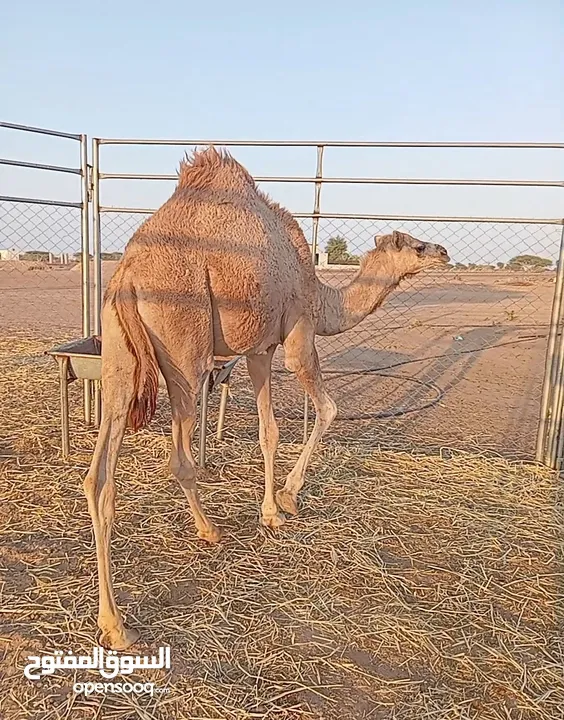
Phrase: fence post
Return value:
(97, 250)
(545, 454)
(85, 250)
(314, 234)
(554, 441)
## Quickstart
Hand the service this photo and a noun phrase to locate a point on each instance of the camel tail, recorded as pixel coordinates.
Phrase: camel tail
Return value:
(146, 375)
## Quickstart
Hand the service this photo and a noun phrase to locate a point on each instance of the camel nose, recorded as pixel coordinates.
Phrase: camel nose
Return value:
(442, 252)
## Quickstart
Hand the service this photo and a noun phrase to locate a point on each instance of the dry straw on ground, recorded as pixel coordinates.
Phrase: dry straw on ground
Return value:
(410, 587)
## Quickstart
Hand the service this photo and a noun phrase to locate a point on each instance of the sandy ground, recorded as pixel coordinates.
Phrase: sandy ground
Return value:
(470, 344)
(410, 586)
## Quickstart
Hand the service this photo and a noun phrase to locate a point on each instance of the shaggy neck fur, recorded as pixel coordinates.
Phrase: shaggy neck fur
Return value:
(343, 308)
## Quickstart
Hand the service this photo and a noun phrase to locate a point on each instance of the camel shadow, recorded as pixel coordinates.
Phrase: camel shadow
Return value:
(444, 373)
(360, 358)
(398, 406)
(465, 349)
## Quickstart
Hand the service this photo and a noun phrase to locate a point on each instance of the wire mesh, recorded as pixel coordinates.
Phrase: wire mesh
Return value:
(454, 358)
(40, 268)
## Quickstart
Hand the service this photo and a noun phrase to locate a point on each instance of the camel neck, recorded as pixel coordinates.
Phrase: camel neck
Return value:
(344, 308)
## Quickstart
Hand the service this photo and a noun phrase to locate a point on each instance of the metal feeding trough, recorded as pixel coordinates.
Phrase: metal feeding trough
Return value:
(82, 360)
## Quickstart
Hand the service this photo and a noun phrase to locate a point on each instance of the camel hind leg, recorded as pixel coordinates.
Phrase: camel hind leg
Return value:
(182, 464)
(182, 338)
(99, 486)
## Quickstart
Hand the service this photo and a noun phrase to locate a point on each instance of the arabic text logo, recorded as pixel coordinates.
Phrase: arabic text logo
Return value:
(107, 662)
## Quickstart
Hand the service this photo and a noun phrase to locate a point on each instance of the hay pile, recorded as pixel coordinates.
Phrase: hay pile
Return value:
(408, 588)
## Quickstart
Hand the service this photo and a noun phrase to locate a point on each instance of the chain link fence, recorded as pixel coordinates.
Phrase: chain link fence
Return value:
(454, 358)
(40, 268)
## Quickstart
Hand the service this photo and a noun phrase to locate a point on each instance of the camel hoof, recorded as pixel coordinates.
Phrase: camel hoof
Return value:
(211, 534)
(118, 639)
(273, 521)
(286, 502)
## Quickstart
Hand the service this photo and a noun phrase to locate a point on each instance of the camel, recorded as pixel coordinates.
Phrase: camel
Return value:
(220, 270)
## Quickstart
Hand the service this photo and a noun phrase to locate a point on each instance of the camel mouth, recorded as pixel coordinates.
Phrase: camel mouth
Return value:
(440, 256)
(439, 262)
(436, 263)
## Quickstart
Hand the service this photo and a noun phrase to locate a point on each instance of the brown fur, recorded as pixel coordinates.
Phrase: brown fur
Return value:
(220, 269)
(212, 168)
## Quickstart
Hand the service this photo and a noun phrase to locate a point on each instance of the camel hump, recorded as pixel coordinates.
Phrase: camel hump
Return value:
(213, 168)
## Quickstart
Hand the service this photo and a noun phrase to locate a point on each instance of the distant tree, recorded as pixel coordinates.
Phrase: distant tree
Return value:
(337, 250)
(111, 256)
(460, 266)
(530, 262)
(35, 256)
(500, 265)
(78, 256)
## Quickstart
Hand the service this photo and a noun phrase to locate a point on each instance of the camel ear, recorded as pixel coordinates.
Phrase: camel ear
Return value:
(397, 239)
(378, 240)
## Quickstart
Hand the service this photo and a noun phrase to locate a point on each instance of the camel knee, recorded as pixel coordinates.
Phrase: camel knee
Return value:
(101, 495)
(89, 486)
(293, 363)
(183, 471)
(327, 412)
(99, 491)
(269, 435)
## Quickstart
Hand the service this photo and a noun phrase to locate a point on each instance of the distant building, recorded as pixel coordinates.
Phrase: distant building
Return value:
(9, 255)
(321, 258)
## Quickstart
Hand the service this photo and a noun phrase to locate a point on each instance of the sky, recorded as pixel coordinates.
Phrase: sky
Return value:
(404, 70)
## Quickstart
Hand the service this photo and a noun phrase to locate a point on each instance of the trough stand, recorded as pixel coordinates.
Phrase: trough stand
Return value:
(82, 360)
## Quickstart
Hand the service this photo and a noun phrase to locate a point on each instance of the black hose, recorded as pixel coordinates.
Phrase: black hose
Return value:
(386, 414)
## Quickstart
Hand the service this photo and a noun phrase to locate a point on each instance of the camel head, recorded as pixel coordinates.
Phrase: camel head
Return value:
(404, 255)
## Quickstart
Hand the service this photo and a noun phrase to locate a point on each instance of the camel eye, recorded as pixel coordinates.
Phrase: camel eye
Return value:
(420, 249)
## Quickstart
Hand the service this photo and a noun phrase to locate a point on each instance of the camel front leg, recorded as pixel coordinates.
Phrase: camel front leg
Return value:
(302, 358)
(99, 487)
(259, 367)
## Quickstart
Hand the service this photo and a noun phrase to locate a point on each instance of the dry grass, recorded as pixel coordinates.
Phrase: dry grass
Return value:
(410, 587)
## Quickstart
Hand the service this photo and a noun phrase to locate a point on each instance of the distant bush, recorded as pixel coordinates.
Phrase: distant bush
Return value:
(529, 262)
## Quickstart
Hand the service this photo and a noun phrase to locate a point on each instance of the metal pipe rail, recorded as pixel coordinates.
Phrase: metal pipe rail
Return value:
(39, 166)
(357, 181)
(335, 143)
(358, 216)
(38, 201)
(40, 131)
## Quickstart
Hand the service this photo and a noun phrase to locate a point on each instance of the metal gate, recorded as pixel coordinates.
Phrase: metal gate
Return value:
(470, 357)
(39, 290)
